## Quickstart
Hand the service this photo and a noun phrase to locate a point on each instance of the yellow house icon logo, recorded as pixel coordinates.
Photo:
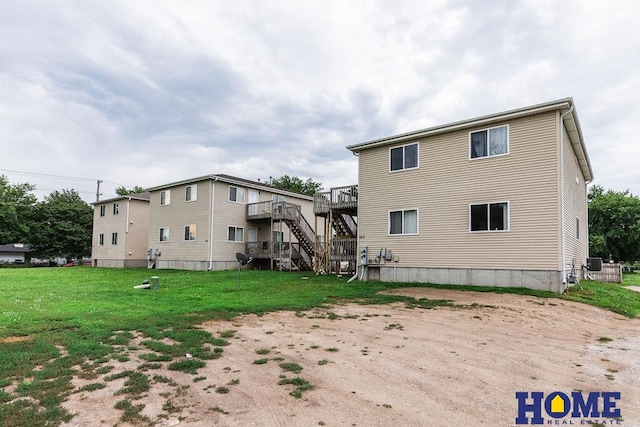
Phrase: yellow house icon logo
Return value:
(557, 404)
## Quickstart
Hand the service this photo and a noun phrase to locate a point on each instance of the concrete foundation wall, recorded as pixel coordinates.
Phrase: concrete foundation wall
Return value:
(533, 279)
(120, 263)
(196, 265)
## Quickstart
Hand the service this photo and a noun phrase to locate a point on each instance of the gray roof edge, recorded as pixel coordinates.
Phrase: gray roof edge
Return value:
(510, 114)
(232, 180)
(143, 197)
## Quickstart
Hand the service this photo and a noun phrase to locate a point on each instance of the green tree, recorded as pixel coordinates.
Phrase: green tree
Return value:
(123, 191)
(16, 211)
(297, 185)
(614, 224)
(64, 226)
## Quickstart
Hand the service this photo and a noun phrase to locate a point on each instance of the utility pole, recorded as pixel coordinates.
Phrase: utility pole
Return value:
(98, 193)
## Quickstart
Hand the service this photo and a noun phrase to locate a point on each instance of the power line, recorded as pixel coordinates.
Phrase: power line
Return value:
(46, 175)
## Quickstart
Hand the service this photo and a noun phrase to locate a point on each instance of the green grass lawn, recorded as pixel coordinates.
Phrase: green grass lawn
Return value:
(56, 323)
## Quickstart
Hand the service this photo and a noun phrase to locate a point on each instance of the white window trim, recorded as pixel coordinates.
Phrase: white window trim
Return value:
(167, 197)
(194, 193)
(243, 194)
(489, 155)
(404, 168)
(403, 210)
(168, 235)
(183, 233)
(508, 202)
(236, 227)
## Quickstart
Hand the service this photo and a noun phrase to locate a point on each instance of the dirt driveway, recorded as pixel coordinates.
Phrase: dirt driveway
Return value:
(390, 365)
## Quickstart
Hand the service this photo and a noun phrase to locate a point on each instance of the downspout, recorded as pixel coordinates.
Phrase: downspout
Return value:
(562, 226)
(126, 227)
(211, 206)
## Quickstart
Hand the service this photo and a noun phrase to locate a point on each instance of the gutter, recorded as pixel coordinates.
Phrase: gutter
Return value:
(564, 275)
(211, 206)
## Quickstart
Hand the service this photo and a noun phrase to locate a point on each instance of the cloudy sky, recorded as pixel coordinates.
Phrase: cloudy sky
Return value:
(146, 92)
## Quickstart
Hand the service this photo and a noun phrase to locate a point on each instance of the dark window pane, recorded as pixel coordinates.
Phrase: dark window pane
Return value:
(232, 234)
(396, 158)
(479, 218)
(395, 222)
(232, 193)
(479, 144)
(411, 156)
(498, 214)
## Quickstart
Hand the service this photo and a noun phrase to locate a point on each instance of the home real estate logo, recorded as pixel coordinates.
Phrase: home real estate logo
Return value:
(597, 408)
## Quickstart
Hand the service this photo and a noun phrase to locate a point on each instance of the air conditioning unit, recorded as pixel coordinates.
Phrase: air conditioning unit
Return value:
(594, 264)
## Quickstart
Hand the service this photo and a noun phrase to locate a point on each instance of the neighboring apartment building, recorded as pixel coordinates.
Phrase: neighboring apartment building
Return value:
(202, 223)
(120, 230)
(498, 200)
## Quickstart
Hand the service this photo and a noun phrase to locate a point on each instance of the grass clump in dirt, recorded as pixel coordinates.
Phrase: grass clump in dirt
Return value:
(301, 385)
(260, 361)
(189, 366)
(290, 367)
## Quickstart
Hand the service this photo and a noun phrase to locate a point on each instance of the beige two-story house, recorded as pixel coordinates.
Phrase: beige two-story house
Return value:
(120, 229)
(202, 223)
(498, 200)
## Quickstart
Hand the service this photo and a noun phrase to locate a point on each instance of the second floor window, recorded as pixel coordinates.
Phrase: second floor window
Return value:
(103, 210)
(116, 208)
(191, 193)
(165, 197)
(236, 194)
(404, 157)
(489, 142)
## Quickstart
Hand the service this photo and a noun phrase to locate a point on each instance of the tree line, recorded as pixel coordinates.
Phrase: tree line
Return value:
(58, 226)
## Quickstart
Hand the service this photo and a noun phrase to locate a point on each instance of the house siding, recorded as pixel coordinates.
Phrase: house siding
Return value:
(175, 216)
(195, 255)
(130, 251)
(574, 208)
(447, 182)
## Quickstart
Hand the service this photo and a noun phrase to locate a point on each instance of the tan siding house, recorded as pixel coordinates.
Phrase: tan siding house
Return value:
(120, 229)
(498, 200)
(201, 223)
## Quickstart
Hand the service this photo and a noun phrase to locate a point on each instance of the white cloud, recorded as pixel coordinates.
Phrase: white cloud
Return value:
(147, 92)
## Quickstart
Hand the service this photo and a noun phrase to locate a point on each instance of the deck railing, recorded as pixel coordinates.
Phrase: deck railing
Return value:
(343, 249)
(345, 197)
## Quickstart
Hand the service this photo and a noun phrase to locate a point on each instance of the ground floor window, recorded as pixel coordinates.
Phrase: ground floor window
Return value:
(403, 222)
(190, 232)
(114, 238)
(101, 239)
(236, 234)
(164, 234)
(489, 217)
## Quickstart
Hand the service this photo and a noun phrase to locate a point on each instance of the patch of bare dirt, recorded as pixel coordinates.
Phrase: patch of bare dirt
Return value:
(389, 365)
